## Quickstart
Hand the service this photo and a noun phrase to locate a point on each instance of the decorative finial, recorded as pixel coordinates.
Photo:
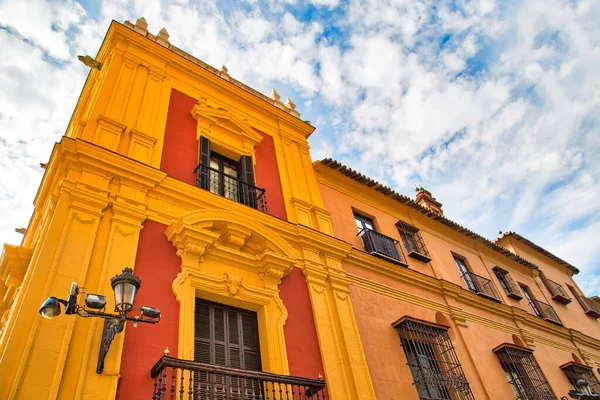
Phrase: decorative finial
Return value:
(290, 104)
(141, 26)
(90, 62)
(163, 38)
(499, 232)
(224, 69)
(274, 95)
(166, 352)
(163, 34)
(141, 23)
(320, 377)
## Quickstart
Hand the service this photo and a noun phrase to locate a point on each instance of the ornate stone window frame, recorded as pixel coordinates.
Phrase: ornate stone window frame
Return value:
(234, 260)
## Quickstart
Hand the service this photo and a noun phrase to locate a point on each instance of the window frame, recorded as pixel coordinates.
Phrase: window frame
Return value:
(430, 357)
(465, 275)
(519, 363)
(574, 371)
(413, 242)
(510, 287)
(530, 299)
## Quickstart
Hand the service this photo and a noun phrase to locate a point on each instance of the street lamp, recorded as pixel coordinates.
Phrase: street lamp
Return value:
(125, 287)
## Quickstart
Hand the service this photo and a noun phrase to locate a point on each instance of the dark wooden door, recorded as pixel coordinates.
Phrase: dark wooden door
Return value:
(226, 336)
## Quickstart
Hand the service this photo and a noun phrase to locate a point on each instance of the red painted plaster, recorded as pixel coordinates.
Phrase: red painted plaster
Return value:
(304, 356)
(180, 150)
(267, 176)
(157, 266)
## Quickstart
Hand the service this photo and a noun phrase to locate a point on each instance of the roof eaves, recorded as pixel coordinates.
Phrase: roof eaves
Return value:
(360, 178)
(537, 248)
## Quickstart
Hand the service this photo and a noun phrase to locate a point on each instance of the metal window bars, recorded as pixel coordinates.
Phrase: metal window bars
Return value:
(481, 285)
(182, 379)
(507, 283)
(382, 246)
(433, 362)
(557, 292)
(413, 242)
(231, 187)
(523, 372)
(547, 312)
(576, 372)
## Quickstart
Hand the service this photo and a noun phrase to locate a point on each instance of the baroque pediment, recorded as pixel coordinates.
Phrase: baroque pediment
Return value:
(225, 128)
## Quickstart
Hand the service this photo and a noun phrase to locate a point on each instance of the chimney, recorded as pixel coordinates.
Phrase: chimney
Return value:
(425, 199)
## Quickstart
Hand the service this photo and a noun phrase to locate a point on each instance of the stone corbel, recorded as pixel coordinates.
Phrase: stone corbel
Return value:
(191, 242)
(273, 268)
(458, 316)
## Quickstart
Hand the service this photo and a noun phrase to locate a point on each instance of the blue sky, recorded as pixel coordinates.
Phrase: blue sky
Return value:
(491, 105)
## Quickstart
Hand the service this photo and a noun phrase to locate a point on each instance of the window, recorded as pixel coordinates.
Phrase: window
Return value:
(432, 360)
(508, 285)
(555, 289)
(229, 178)
(465, 274)
(532, 302)
(413, 242)
(523, 373)
(581, 377)
(588, 305)
(377, 243)
(363, 222)
(226, 336)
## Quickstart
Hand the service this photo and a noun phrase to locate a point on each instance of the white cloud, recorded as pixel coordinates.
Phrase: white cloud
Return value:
(493, 108)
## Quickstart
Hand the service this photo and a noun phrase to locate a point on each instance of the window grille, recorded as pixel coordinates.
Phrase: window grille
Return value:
(433, 362)
(523, 373)
(413, 242)
(578, 372)
(508, 284)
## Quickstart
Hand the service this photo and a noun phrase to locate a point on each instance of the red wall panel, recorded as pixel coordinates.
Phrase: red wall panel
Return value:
(304, 356)
(180, 150)
(267, 176)
(157, 265)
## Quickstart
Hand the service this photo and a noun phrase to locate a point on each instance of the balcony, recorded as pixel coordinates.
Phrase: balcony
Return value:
(231, 187)
(382, 246)
(480, 285)
(589, 307)
(182, 379)
(557, 292)
(547, 312)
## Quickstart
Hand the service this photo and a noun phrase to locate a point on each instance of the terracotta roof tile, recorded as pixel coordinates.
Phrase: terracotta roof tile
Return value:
(360, 178)
(537, 248)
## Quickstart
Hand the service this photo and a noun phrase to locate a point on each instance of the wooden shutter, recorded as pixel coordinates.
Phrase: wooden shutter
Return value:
(226, 336)
(247, 177)
(204, 163)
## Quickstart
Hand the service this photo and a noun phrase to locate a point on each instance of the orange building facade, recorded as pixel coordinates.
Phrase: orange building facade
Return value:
(276, 277)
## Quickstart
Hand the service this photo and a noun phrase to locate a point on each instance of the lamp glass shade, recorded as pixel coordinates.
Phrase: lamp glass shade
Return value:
(50, 308)
(125, 286)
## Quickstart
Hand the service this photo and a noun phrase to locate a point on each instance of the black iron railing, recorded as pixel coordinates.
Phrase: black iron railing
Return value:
(381, 245)
(231, 187)
(481, 285)
(557, 292)
(182, 379)
(547, 312)
(589, 307)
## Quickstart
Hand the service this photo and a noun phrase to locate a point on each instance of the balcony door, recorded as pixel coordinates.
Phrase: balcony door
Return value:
(224, 177)
(226, 336)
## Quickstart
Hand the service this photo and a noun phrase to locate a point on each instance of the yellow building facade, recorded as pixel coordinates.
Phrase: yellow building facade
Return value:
(251, 251)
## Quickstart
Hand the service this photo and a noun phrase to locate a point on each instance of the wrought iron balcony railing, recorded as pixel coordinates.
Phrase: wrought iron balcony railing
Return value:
(382, 246)
(589, 307)
(547, 312)
(182, 379)
(557, 292)
(481, 286)
(231, 187)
